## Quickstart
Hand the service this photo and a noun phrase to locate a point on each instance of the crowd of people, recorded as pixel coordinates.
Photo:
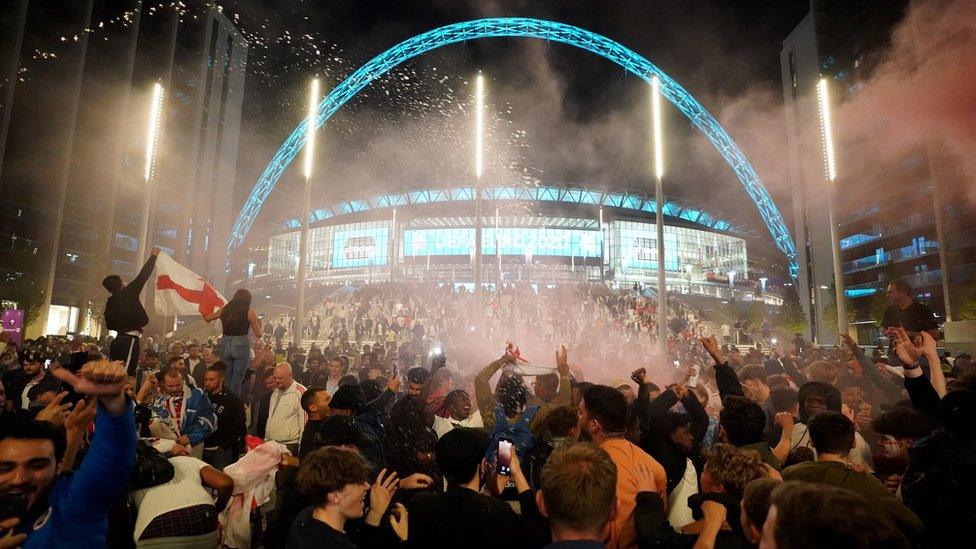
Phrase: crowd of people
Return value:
(418, 421)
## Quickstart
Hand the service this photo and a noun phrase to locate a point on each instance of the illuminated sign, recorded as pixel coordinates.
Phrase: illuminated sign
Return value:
(511, 241)
(360, 247)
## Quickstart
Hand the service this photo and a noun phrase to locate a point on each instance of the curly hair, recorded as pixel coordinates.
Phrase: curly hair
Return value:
(330, 469)
(734, 468)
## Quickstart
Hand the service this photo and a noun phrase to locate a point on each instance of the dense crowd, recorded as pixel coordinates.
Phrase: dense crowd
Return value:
(430, 417)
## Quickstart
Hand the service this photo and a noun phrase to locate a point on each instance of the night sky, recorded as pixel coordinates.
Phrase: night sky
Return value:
(559, 114)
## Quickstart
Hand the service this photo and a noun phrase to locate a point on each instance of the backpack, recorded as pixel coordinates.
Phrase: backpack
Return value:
(518, 432)
(151, 468)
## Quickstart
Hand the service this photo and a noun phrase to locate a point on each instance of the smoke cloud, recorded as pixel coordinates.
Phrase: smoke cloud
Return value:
(922, 89)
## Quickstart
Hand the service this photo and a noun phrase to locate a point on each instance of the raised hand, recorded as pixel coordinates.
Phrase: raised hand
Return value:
(381, 493)
(713, 511)
(784, 420)
(907, 350)
(562, 361)
(102, 379)
(711, 346)
(398, 521)
(638, 376)
(645, 478)
(850, 345)
(80, 417)
(55, 412)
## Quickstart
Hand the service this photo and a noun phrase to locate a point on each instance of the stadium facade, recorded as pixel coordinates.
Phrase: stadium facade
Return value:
(539, 235)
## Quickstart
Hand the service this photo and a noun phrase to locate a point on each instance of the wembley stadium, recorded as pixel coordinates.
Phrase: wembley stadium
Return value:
(535, 234)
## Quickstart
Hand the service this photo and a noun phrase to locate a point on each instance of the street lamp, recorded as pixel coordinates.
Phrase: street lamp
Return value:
(662, 291)
(830, 166)
(152, 143)
(313, 103)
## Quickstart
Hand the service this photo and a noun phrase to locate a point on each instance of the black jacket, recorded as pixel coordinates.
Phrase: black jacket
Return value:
(231, 422)
(17, 380)
(655, 424)
(654, 530)
(461, 517)
(260, 406)
(123, 310)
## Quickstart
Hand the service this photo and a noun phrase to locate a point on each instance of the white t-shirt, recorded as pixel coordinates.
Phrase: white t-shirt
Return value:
(184, 490)
(442, 426)
(861, 454)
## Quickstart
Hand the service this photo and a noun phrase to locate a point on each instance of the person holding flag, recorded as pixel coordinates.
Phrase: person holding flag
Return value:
(125, 315)
(236, 319)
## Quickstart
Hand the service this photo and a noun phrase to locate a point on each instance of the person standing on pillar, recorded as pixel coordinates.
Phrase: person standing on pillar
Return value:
(125, 314)
(236, 319)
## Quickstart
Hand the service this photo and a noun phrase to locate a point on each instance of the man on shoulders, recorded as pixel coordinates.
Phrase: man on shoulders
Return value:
(125, 314)
(904, 311)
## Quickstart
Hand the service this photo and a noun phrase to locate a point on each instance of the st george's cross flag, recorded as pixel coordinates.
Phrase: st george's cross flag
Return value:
(180, 291)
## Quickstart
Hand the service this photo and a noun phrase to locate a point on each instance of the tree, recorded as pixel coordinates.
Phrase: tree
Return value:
(791, 315)
(967, 303)
(879, 303)
(830, 314)
(25, 291)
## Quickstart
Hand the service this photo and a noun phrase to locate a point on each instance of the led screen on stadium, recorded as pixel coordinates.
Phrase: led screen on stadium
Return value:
(360, 247)
(638, 247)
(511, 241)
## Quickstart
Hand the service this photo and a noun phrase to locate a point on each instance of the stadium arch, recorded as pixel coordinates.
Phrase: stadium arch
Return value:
(517, 27)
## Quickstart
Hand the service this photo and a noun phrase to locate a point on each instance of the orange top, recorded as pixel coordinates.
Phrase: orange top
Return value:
(627, 456)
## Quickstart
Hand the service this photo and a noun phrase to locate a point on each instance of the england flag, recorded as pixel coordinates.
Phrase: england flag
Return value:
(180, 291)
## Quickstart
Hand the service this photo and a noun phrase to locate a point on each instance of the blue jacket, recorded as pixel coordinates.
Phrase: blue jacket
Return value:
(80, 501)
(198, 421)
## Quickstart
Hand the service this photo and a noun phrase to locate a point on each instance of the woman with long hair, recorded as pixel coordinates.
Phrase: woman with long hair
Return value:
(236, 319)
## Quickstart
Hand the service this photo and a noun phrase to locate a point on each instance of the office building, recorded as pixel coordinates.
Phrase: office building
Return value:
(73, 149)
(899, 217)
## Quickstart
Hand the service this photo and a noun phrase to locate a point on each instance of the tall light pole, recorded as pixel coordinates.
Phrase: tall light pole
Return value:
(313, 103)
(830, 165)
(479, 117)
(662, 291)
(152, 143)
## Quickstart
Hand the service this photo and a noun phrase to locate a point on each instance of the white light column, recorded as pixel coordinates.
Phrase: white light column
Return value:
(313, 103)
(152, 143)
(830, 165)
(662, 291)
(479, 116)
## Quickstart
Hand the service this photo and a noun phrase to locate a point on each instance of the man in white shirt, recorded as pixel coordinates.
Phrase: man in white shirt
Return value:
(286, 418)
(182, 512)
(458, 405)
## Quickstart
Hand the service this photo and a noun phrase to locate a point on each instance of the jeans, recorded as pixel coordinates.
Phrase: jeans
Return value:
(235, 351)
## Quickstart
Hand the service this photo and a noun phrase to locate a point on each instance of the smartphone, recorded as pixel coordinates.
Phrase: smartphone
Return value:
(505, 456)
(12, 506)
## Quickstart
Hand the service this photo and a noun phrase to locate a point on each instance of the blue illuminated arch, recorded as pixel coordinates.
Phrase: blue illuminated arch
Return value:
(522, 28)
